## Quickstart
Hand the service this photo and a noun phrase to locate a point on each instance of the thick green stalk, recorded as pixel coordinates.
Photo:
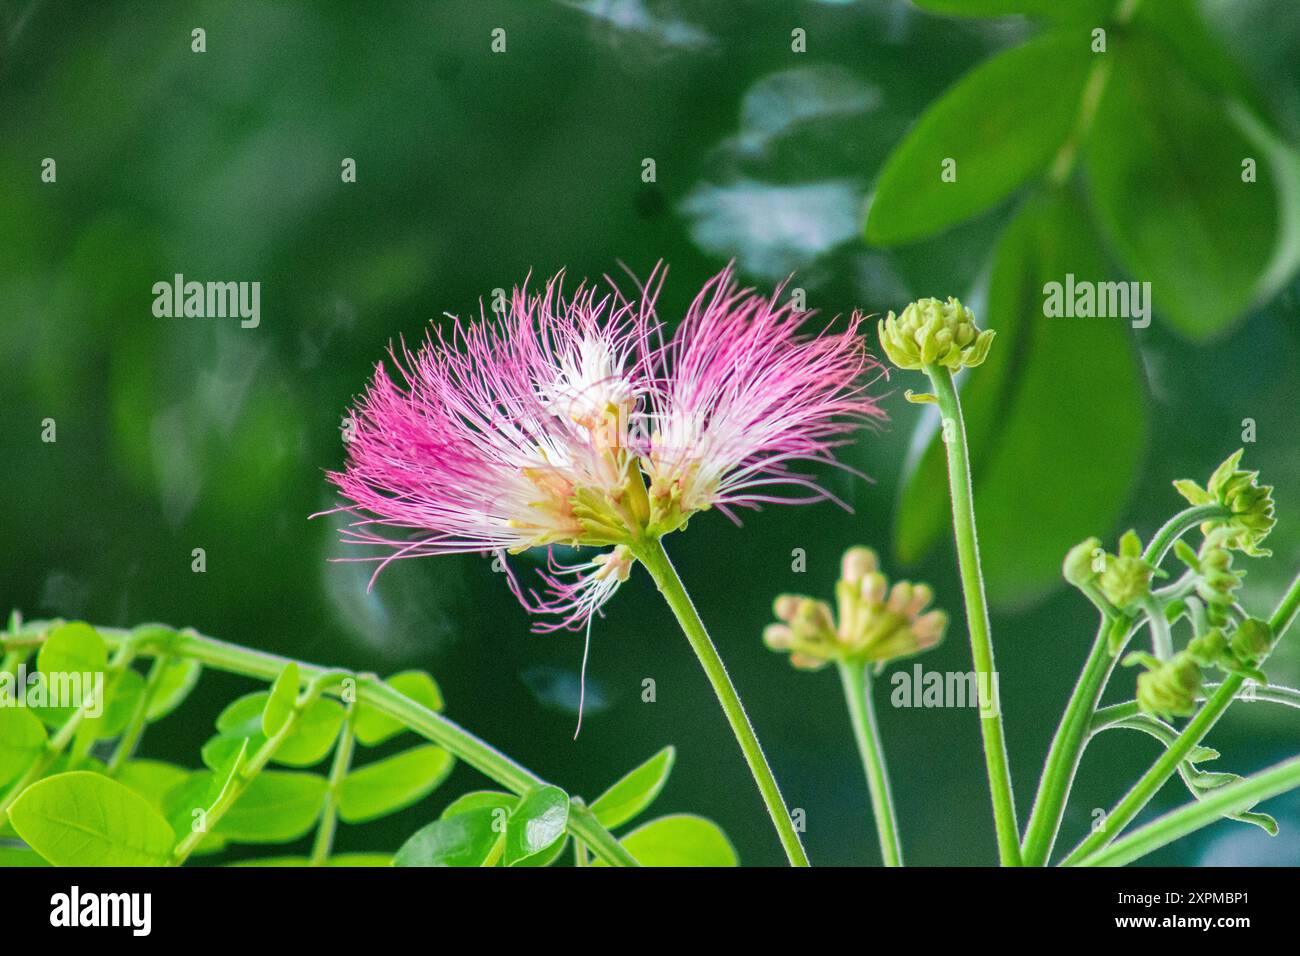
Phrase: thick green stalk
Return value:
(977, 612)
(857, 692)
(656, 561)
(480, 755)
(1222, 802)
(1076, 724)
(1168, 763)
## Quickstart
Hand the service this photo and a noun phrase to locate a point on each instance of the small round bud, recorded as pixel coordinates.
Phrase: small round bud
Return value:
(1249, 505)
(1170, 688)
(1078, 567)
(857, 563)
(876, 623)
(1251, 641)
(1126, 581)
(785, 606)
(778, 637)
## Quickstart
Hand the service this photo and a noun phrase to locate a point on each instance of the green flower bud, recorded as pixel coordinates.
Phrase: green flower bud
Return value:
(1249, 503)
(876, 623)
(1169, 688)
(1127, 578)
(806, 629)
(1078, 567)
(1216, 582)
(1211, 649)
(1251, 641)
(930, 332)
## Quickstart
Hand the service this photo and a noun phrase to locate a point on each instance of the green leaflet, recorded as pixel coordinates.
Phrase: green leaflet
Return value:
(634, 792)
(1001, 124)
(680, 840)
(1165, 166)
(388, 785)
(85, 819)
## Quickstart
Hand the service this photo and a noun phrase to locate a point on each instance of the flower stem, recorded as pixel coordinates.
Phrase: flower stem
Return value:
(857, 692)
(656, 561)
(977, 612)
(1222, 802)
(1167, 764)
(1067, 748)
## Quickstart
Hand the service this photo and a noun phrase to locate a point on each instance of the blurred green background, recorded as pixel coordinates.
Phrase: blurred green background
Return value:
(474, 168)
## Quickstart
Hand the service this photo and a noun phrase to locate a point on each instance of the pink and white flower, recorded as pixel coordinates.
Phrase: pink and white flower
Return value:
(567, 420)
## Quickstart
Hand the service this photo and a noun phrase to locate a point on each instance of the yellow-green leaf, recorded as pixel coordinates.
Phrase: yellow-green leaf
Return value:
(391, 784)
(85, 819)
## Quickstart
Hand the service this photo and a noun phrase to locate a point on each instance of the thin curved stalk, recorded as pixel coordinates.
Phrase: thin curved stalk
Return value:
(656, 561)
(1076, 723)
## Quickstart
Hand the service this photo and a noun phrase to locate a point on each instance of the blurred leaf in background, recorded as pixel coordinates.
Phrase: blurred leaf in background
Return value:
(1193, 192)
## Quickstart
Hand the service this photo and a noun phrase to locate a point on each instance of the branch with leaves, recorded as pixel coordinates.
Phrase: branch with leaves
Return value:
(62, 803)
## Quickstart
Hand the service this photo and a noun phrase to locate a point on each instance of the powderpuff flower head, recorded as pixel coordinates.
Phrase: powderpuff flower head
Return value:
(568, 420)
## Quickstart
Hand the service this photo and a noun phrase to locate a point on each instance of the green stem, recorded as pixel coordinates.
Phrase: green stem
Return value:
(130, 737)
(1225, 801)
(1167, 764)
(857, 692)
(656, 561)
(977, 612)
(1076, 724)
(1067, 748)
(247, 662)
(245, 772)
(329, 818)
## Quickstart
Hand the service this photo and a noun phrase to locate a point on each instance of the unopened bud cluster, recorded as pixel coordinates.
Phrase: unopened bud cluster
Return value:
(1122, 579)
(872, 622)
(930, 332)
(1224, 637)
(1249, 505)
